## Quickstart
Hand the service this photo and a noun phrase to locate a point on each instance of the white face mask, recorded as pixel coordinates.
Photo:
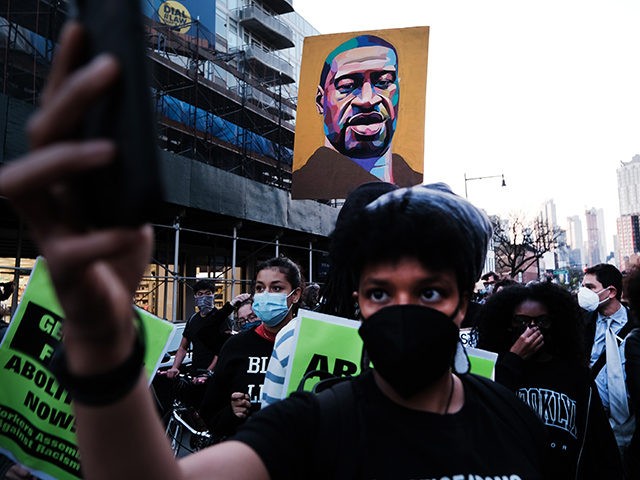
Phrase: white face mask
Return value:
(589, 300)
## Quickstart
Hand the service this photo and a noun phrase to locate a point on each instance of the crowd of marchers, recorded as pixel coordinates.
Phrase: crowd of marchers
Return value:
(404, 263)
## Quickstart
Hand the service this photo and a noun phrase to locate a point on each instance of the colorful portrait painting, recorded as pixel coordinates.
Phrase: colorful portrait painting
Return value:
(360, 115)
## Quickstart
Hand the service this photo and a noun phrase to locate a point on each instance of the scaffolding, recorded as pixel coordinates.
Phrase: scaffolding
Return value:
(216, 107)
(225, 109)
(213, 107)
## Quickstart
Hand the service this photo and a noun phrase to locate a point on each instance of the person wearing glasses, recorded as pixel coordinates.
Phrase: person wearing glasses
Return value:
(246, 318)
(536, 331)
(415, 255)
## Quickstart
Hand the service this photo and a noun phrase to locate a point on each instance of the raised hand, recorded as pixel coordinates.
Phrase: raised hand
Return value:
(528, 343)
(95, 272)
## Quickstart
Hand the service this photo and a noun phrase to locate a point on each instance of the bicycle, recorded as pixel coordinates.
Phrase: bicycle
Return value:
(186, 430)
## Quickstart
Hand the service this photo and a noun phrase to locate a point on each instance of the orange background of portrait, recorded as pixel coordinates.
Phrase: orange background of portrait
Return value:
(412, 45)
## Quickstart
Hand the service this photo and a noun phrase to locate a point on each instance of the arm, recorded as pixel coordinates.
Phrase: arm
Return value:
(273, 386)
(177, 361)
(213, 363)
(203, 377)
(209, 332)
(95, 274)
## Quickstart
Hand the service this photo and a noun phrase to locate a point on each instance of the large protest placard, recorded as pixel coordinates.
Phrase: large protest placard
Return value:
(360, 111)
(37, 426)
(326, 343)
(332, 344)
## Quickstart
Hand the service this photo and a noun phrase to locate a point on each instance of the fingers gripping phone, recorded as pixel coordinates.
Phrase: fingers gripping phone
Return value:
(130, 190)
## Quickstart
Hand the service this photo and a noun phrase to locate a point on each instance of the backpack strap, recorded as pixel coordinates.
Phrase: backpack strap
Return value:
(602, 359)
(342, 429)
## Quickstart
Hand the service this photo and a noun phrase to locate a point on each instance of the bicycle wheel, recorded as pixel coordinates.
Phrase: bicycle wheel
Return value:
(174, 434)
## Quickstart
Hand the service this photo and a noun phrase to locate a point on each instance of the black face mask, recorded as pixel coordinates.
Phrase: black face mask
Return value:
(410, 346)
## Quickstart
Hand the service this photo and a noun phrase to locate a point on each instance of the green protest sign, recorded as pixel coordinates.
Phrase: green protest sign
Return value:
(332, 344)
(37, 426)
(323, 342)
(483, 362)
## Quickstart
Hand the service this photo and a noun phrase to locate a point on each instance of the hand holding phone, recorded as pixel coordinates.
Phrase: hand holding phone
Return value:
(129, 190)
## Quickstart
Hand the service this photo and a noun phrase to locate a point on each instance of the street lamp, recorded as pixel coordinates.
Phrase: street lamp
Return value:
(468, 179)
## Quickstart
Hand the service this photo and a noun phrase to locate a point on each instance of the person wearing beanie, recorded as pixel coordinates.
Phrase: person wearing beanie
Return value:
(336, 297)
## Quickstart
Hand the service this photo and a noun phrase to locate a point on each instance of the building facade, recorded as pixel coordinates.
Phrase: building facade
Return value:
(574, 241)
(628, 240)
(595, 248)
(629, 186)
(628, 237)
(224, 84)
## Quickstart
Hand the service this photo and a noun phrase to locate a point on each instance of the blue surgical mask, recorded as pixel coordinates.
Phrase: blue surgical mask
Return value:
(271, 308)
(250, 325)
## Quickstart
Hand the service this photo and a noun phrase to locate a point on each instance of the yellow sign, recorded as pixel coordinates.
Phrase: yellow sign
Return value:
(175, 15)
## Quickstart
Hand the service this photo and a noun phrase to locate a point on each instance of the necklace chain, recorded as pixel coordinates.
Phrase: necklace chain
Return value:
(446, 410)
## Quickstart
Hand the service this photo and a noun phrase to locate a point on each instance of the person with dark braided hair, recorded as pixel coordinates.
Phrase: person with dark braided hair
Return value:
(536, 331)
(416, 254)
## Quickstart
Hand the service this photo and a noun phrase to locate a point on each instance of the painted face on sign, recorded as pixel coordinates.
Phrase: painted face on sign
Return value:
(359, 101)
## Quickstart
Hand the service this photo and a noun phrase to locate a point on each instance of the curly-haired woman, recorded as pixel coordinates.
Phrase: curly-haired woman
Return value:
(536, 331)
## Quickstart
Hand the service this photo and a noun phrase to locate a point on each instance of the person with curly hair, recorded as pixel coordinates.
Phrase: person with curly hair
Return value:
(536, 331)
(416, 254)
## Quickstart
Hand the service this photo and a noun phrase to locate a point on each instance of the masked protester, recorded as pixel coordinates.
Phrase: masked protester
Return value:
(204, 330)
(337, 298)
(246, 318)
(416, 248)
(536, 330)
(607, 323)
(414, 256)
(233, 393)
(204, 335)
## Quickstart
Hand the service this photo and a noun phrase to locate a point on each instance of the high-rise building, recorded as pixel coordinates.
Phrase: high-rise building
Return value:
(595, 248)
(629, 186)
(550, 259)
(628, 240)
(574, 241)
(548, 213)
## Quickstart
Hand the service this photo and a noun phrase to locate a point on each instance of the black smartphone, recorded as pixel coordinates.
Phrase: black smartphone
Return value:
(130, 190)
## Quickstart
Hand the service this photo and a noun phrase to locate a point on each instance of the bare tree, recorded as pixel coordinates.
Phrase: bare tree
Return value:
(519, 244)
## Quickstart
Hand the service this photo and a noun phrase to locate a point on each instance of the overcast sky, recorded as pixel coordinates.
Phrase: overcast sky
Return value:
(546, 92)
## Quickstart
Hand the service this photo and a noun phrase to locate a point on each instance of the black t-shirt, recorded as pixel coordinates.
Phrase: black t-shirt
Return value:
(205, 335)
(493, 436)
(241, 367)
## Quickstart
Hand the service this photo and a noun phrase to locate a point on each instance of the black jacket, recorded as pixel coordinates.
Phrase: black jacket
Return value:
(565, 397)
